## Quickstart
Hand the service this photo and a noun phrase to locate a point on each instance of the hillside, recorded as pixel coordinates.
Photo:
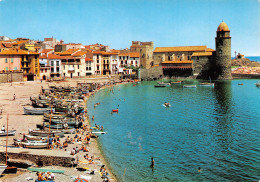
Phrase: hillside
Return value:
(244, 62)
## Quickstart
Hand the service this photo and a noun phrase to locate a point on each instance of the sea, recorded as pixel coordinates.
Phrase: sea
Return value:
(252, 58)
(216, 129)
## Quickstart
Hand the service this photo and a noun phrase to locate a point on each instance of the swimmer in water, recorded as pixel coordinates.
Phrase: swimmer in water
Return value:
(199, 169)
(152, 162)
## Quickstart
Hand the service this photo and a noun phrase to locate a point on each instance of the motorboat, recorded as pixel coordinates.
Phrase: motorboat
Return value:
(177, 82)
(115, 110)
(167, 104)
(159, 86)
(206, 84)
(163, 83)
(189, 86)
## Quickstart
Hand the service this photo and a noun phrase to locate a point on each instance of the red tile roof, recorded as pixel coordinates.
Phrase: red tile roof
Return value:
(54, 56)
(47, 50)
(180, 49)
(88, 59)
(17, 52)
(134, 55)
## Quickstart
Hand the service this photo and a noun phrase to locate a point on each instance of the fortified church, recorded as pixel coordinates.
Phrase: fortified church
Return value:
(195, 61)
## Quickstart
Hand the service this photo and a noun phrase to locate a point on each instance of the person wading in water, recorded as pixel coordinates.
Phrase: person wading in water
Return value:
(152, 162)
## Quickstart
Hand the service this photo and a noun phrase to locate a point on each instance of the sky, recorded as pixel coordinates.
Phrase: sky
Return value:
(117, 23)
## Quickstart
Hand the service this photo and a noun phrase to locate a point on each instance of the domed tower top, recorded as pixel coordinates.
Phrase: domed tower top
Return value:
(223, 27)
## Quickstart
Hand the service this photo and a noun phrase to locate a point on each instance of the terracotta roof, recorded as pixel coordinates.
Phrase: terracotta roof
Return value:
(223, 27)
(184, 61)
(17, 52)
(134, 55)
(124, 54)
(54, 56)
(21, 42)
(202, 54)
(47, 50)
(88, 59)
(180, 49)
(209, 50)
(79, 53)
(105, 53)
(69, 51)
(43, 57)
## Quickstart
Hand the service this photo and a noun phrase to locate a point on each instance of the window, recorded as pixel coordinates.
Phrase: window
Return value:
(97, 61)
(136, 62)
(107, 61)
(12, 60)
(132, 62)
(52, 63)
(125, 62)
(104, 61)
(78, 73)
(15, 68)
(122, 62)
(97, 67)
(52, 70)
(6, 60)
(6, 68)
(89, 68)
(86, 68)
(78, 66)
(58, 69)
(57, 63)
(169, 58)
(46, 71)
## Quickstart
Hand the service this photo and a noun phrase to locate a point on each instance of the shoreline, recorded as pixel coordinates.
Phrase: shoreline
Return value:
(29, 121)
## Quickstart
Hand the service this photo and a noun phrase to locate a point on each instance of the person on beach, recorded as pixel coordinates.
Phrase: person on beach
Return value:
(93, 117)
(14, 97)
(3, 128)
(152, 162)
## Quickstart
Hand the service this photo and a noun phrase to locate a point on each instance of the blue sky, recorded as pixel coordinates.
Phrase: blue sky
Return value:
(118, 22)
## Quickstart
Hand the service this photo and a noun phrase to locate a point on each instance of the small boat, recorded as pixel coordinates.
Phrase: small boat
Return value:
(10, 170)
(99, 132)
(176, 82)
(10, 133)
(206, 84)
(37, 138)
(35, 145)
(35, 111)
(163, 83)
(167, 105)
(2, 168)
(159, 86)
(115, 110)
(258, 84)
(240, 84)
(45, 133)
(189, 86)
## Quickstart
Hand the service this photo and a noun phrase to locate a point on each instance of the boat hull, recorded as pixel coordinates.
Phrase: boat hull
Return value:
(35, 111)
(10, 133)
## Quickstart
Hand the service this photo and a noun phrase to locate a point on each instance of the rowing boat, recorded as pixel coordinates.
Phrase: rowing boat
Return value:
(4, 133)
(35, 111)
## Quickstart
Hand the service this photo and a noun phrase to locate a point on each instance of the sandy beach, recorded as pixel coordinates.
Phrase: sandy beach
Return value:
(21, 123)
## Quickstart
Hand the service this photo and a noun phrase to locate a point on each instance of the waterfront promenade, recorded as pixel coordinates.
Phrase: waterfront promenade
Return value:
(21, 123)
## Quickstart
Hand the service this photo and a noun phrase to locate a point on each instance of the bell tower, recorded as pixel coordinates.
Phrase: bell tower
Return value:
(223, 53)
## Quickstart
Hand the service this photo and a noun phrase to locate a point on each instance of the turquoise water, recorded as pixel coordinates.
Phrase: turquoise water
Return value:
(216, 129)
(252, 58)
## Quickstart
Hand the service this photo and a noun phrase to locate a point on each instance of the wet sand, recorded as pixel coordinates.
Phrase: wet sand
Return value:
(21, 123)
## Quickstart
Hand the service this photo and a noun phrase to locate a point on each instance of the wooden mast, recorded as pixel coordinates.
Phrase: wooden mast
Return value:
(6, 141)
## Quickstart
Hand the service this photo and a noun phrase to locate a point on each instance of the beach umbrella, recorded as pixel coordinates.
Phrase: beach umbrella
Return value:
(80, 180)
